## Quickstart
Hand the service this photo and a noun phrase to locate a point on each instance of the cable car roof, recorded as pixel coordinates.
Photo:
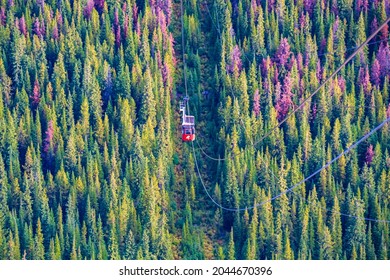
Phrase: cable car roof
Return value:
(188, 120)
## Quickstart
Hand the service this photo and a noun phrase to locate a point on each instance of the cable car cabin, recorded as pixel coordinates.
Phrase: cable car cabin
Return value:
(188, 129)
(188, 125)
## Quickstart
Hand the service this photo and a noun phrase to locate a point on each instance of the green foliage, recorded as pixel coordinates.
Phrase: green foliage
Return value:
(92, 165)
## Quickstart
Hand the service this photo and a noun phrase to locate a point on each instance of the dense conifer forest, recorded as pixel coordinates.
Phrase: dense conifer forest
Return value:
(92, 165)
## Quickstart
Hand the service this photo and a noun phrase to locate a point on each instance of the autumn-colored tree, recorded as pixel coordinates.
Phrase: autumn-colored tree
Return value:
(92, 165)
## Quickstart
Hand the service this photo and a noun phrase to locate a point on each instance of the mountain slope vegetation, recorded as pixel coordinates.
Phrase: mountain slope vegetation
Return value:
(92, 165)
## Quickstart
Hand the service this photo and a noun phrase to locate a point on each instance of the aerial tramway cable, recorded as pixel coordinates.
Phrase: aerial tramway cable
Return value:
(312, 51)
(183, 51)
(296, 109)
(300, 106)
(300, 182)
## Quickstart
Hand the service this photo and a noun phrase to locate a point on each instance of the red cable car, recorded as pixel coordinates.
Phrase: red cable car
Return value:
(188, 125)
